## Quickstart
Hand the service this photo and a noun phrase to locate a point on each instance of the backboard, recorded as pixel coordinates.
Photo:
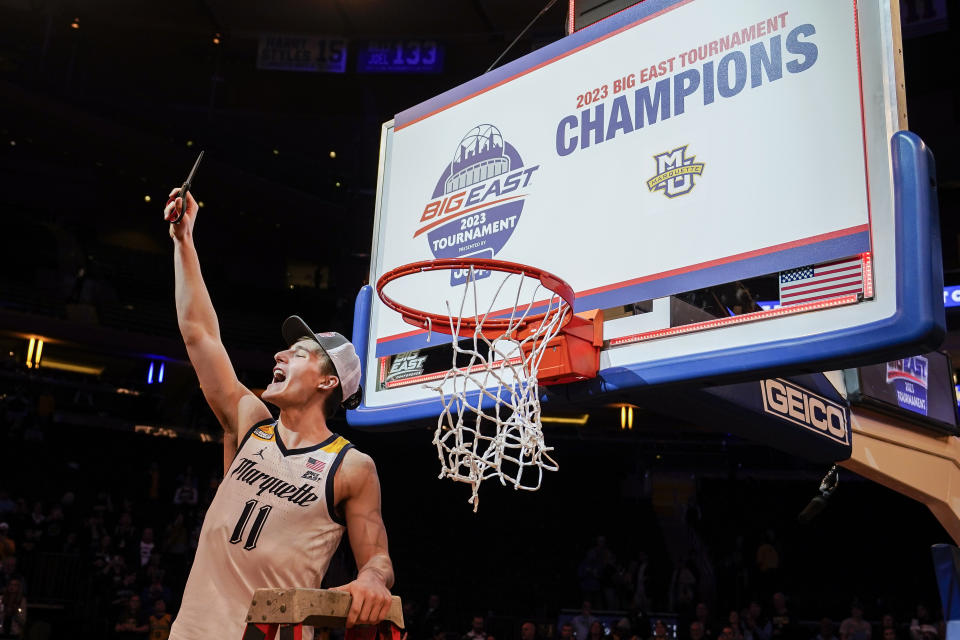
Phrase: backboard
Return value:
(676, 148)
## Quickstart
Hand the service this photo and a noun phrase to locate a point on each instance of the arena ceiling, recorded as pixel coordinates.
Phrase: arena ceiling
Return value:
(351, 18)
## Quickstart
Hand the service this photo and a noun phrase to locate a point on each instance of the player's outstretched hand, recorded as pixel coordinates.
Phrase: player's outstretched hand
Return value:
(172, 212)
(371, 599)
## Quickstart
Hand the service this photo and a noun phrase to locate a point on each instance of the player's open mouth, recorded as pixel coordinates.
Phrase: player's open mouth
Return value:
(279, 375)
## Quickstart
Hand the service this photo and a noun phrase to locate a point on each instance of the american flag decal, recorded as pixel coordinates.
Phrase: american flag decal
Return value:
(315, 465)
(821, 281)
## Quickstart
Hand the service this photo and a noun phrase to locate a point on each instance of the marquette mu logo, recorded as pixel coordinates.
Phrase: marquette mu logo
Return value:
(675, 172)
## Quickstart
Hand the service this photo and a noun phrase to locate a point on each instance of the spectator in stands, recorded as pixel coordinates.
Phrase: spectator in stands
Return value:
(153, 482)
(71, 543)
(596, 573)
(125, 537)
(768, 563)
(596, 631)
(132, 624)
(8, 572)
(683, 589)
(826, 630)
(156, 590)
(20, 518)
(566, 631)
(696, 630)
(922, 627)
(783, 627)
(582, 622)
(623, 630)
(640, 600)
(186, 493)
(37, 516)
(125, 590)
(736, 628)
(176, 537)
(33, 532)
(702, 615)
(146, 546)
(659, 630)
(434, 617)
(54, 534)
(755, 626)
(7, 546)
(411, 618)
(477, 631)
(855, 627)
(6, 504)
(159, 621)
(528, 631)
(888, 628)
(94, 532)
(13, 610)
(104, 552)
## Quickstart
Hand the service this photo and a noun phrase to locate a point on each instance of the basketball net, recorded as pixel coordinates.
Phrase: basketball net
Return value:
(497, 368)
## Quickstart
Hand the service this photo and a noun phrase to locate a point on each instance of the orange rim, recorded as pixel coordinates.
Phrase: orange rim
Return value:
(492, 327)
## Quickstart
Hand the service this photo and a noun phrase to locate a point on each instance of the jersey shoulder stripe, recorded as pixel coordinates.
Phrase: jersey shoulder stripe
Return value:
(341, 451)
(337, 445)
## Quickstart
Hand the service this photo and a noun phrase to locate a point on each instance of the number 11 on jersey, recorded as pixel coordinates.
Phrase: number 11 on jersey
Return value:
(257, 524)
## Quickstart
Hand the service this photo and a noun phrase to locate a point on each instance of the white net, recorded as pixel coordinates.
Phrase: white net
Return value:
(490, 425)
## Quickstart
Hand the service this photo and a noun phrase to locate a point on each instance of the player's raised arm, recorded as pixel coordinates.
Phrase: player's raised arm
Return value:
(357, 488)
(235, 406)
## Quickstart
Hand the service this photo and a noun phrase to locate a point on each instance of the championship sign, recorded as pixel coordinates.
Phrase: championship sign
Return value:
(692, 146)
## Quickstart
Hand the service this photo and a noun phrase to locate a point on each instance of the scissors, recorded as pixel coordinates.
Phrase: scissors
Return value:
(183, 190)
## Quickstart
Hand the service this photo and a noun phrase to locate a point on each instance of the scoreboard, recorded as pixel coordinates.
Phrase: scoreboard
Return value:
(400, 56)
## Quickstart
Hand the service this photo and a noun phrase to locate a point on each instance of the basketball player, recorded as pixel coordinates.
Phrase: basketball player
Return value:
(291, 485)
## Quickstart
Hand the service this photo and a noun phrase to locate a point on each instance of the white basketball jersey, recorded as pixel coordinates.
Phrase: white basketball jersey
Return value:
(271, 524)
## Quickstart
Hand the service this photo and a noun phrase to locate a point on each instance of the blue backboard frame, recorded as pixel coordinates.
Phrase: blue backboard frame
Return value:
(918, 324)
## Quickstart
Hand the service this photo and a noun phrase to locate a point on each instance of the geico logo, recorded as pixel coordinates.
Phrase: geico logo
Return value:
(799, 405)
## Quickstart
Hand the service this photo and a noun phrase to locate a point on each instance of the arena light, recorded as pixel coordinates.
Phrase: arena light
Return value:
(75, 24)
(72, 367)
(30, 347)
(123, 391)
(216, 38)
(36, 357)
(150, 373)
(580, 420)
(160, 375)
(333, 154)
(146, 198)
(626, 417)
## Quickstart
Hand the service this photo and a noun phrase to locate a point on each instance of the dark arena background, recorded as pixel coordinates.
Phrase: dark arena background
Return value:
(110, 454)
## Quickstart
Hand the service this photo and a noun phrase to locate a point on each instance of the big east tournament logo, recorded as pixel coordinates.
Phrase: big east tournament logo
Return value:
(477, 201)
(909, 377)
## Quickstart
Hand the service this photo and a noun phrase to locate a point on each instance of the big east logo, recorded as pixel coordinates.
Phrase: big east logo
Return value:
(909, 378)
(477, 201)
(406, 365)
